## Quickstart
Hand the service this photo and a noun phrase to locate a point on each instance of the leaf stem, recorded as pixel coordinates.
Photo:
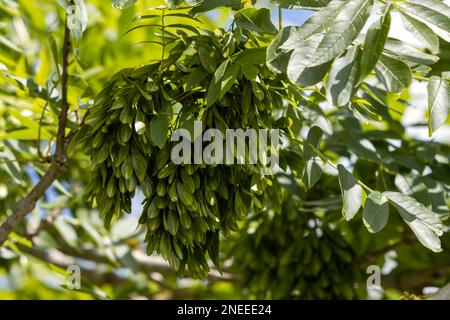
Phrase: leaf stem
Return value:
(163, 31)
(280, 18)
(421, 78)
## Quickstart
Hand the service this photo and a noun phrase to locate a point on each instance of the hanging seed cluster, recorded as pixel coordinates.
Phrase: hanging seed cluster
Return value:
(290, 256)
(128, 139)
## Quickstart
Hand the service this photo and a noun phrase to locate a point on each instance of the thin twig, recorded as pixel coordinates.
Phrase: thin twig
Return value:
(41, 120)
(280, 18)
(60, 141)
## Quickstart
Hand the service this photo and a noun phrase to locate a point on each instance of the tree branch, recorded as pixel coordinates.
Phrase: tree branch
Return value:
(61, 146)
(442, 294)
(59, 162)
(414, 280)
(371, 257)
(145, 264)
(63, 261)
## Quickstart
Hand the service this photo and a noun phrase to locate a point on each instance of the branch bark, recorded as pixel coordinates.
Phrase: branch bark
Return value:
(59, 162)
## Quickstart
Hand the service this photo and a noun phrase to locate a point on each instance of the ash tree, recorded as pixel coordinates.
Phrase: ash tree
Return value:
(87, 135)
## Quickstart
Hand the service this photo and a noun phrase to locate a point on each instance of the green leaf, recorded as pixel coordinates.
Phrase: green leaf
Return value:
(222, 81)
(181, 15)
(66, 232)
(316, 49)
(434, 13)
(127, 168)
(301, 4)
(173, 223)
(438, 103)
(300, 73)
(346, 27)
(207, 60)
(426, 190)
(195, 77)
(25, 134)
(343, 76)
(421, 32)
(255, 20)
(215, 86)
(77, 20)
(249, 71)
(445, 75)
(376, 212)
(425, 224)
(394, 74)
(374, 43)
(123, 4)
(314, 165)
(32, 133)
(208, 5)
(187, 27)
(253, 56)
(278, 58)
(239, 205)
(317, 23)
(290, 38)
(184, 194)
(407, 53)
(159, 128)
(352, 193)
(139, 164)
(63, 3)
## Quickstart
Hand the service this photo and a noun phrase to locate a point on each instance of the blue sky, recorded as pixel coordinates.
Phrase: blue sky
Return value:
(291, 17)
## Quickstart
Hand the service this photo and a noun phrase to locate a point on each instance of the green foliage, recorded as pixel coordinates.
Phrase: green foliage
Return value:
(438, 102)
(352, 193)
(348, 164)
(185, 206)
(291, 255)
(301, 4)
(376, 212)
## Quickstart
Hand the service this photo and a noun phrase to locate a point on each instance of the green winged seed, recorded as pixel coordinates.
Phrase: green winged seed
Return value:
(161, 188)
(166, 171)
(152, 210)
(186, 221)
(184, 194)
(125, 133)
(162, 157)
(126, 116)
(190, 169)
(131, 183)
(111, 189)
(173, 193)
(165, 245)
(98, 140)
(188, 181)
(239, 205)
(147, 187)
(122, 186)
(127, 169)
(123, 153)
(161, 202)
(178, 249)
(173, 223)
